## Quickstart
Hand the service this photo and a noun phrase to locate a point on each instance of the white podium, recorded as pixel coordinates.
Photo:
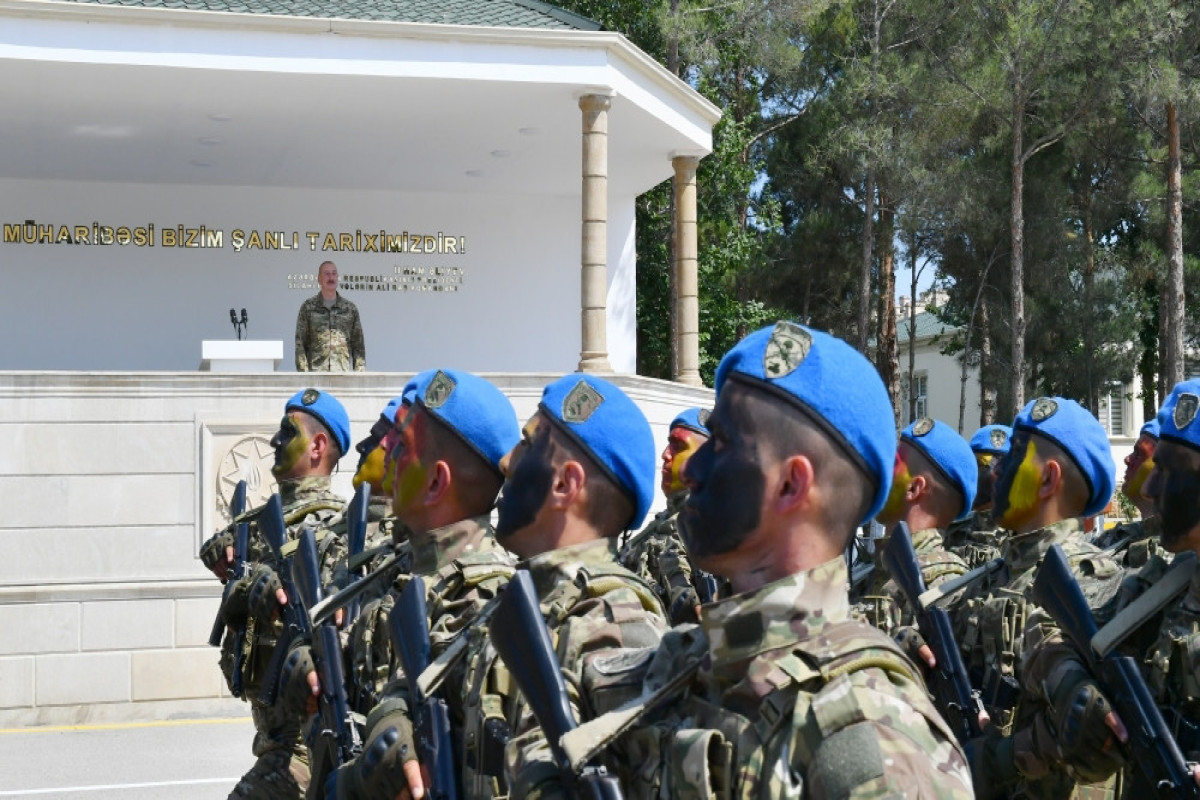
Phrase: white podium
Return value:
(231, 355)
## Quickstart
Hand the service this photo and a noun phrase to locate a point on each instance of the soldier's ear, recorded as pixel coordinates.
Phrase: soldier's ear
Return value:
(796, 480)
(1052, 479)
(569, 485)
(441, 478)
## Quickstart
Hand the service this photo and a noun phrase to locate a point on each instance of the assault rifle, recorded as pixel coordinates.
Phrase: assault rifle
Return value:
(1151, 747)
(518, 632)
(295, 619)
(333, 732)
(237, 570)
(356, 540)
(953, 695)
(408, 624)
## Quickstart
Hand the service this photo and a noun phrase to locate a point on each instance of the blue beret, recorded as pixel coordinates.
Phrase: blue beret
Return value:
(389, 411)
(695, 419)
(1177, 417)
(326, 408)
(992, 439)
(834, 384)
(950, 454)
(473, 408)
(1152, 429)
(409, 393)
(1073, 428)
(610, 426)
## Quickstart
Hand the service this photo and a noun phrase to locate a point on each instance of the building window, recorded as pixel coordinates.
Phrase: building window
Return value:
(918, 388)
(1112, 410)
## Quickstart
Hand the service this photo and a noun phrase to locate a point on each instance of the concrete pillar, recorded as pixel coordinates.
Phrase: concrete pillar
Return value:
(594, 251)
(687, 286)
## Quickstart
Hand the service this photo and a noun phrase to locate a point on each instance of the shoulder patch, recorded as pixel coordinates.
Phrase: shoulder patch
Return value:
(621, 660)
(310, 396)
(786, 349)
(847, 759)
(922, 426)
(580, 403)
(439, 390)
(1185, 410)
(1043, 409)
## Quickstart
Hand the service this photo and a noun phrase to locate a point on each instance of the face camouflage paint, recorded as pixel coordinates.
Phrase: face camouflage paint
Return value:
(529, 471)
(1174, 486)
(1017, 485)
(1138, 466)
(290, 443)
(407, 472)
(726, 482)
(682, 444)
(893, 507)
(986, 482)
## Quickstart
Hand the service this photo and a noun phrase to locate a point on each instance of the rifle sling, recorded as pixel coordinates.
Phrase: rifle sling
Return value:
(1149, 603)
(430, 680)
(943, 590)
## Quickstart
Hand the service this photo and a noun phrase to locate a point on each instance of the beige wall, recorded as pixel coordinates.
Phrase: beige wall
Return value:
(111, 482)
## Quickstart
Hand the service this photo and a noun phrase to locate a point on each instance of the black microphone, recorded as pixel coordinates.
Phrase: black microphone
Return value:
(244, 317)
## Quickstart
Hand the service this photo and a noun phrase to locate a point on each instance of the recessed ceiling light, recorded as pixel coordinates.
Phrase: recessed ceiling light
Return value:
(529, 131)
(501, 154)
(474, 173)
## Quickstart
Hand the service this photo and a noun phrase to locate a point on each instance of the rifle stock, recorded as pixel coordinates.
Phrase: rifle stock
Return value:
(518, 632)
(409, 628)
(958, 702)
(1152, 748)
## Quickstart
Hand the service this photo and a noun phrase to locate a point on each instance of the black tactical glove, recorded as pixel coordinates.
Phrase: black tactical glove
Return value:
(378, 773)
(261, 597)
(213, 554)
(1078, 720)
(294, 691)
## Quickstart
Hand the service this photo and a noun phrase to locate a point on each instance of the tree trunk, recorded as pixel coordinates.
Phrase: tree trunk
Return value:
(864, 278)
(987, 386)
(1171, 366)
(912, 327)
(1017, 234)
(888, 359)
(1089, 286)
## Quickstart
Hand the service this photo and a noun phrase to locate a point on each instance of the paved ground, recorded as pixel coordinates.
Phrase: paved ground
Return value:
(179, 759)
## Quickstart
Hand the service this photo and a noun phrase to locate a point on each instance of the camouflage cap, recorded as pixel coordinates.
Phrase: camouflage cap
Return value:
(472, 408)
(949, 453)
(1073, 428)
(1177, 417)
(610, 426)
(992, 439)
(695, 419)
(328, 411)
(831, 382)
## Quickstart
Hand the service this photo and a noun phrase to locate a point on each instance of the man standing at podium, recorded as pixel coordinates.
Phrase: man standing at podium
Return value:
(329, 335)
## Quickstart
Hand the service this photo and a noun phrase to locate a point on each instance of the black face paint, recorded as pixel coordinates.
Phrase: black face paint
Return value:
(372, 440)
(984, 485)
(287, 433)
(726, 483)
(527, 486)
(1175, 486)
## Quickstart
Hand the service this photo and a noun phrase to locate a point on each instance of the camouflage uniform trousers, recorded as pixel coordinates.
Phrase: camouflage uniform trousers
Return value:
(777, 693)
(591, 605)
(329, 339)
(1014, 651)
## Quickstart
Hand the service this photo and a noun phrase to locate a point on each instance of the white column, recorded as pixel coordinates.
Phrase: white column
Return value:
(687, 286)
(594, 251)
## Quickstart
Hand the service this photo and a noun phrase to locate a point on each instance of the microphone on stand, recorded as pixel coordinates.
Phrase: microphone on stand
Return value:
(245, 320)
(233, 318)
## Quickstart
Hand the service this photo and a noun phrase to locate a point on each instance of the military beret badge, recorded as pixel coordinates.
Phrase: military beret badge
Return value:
(1185, 410)
(1043, 409)
(786, 349)
(999, 437)
(439, 390)
(922, 426)
(580, 403)
(702, 416)
(310, 396)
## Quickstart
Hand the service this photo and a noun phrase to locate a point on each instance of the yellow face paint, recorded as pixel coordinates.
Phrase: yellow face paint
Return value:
(371, 470)
(290, 443)
(1022, 495)
(681, 445)
(893, 507)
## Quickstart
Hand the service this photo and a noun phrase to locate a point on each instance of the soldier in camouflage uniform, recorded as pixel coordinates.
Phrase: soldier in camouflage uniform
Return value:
(977, 538)
(933, 484)
(1167, 643)
(445, 466)
(1134, 543)
(312, 436)
(582, 474)
(1048, 712)
(329, 334)
(656, 552)
(777, 692)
